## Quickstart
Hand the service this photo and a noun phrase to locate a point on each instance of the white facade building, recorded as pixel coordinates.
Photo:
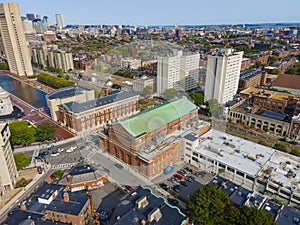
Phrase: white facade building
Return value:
(222, 75)
(253, 166)
(8, 167)
(6, 107)
(59, 21)
(179, 72)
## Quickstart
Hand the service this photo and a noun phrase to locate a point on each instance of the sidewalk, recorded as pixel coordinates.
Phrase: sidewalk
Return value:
(18, 198)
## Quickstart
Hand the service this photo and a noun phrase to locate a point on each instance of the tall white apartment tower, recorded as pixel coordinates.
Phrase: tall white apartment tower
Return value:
(179, 72)
(14, 41)
(8, 167)
(222, 75)
(59, 21)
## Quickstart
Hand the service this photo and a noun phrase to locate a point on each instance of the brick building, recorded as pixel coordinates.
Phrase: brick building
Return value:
(271, 100)
(55, 204)
(150, 141)
(84, 177)
(95, 114)
(252, 78)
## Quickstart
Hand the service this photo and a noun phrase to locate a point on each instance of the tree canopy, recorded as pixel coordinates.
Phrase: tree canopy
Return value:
(210, 206)
(4, 66)
(207, 205)
(54, 81)
(214, 107)
(197, 98)
(22, 160)
(148, 90)
(170, 93)
(21, 133)
(45, 132)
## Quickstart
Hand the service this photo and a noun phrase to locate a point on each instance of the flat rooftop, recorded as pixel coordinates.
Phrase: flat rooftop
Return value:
(267, 93)
(66, 92)
(283, 169)
(233, 151)
(160, 143)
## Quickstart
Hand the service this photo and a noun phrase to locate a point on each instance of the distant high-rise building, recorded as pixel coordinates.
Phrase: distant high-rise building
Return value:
(222, 75)
(179, 72)
(28, 26)
(46, 21)
(59, 21)
(30, 16)
(14, 41)
(8, 167)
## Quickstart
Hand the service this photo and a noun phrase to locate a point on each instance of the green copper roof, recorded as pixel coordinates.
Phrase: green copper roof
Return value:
(154, 118)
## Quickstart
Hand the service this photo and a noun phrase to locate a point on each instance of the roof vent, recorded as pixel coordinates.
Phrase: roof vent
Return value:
(142, 202)
(155, 214)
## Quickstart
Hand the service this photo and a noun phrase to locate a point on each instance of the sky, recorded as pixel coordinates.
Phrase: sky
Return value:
(162, 12)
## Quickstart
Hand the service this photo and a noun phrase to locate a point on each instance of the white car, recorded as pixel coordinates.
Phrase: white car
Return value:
(54, 153)
(70, 150)
(60, 150)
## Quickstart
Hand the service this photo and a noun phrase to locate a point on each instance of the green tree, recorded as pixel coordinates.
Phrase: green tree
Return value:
(243, 215)
(214, 107)
(67, 77)
(170, 93)
(4, 66)
(295, 151)
(22, 160)
(21, 183)
(148, 90)
(280, 146)
(207, 205)
(45, 132)
(197, 98)
(58, 174)
(21, 133)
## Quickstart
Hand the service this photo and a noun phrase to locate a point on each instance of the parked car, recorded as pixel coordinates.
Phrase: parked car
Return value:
(174, 180)
(182, 172)
(70, 150)
(197, 174)
(184, 183)
(165, 186)
(188, 169)
(178, 176)
(190, 179)
(177, 188)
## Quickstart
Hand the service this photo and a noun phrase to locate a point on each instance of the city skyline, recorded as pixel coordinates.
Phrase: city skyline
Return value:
(163, 13)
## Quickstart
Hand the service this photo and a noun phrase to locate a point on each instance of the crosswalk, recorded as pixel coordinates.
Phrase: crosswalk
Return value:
(35, 154)
(63, 166)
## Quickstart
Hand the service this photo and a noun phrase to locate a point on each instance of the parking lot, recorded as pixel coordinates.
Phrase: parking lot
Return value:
(178, 197)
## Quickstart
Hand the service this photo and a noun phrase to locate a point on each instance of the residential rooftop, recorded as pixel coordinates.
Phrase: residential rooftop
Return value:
(288, 216)
(21, 217)
(249, 74)
(233, 151)
(151, 119)
(128, 212)
(73, 207)
(78, 107)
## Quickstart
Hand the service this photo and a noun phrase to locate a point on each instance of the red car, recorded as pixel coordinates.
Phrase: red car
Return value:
(129, 188)
(178, 176)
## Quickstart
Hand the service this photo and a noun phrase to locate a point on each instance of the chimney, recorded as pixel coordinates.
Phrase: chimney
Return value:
(69, 178)
(48, 180)
(66, 197)
(23, 206)
(106, 92)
